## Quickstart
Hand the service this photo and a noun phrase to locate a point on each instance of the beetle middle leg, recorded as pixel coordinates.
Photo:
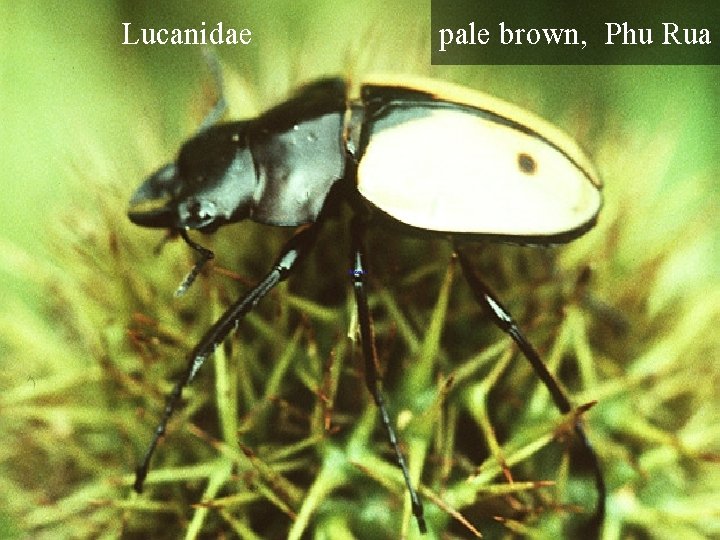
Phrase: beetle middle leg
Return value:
(372, 376)
(293, 251)
(503, 320)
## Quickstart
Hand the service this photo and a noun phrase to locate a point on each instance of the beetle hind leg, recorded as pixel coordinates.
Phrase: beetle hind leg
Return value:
(492, 307)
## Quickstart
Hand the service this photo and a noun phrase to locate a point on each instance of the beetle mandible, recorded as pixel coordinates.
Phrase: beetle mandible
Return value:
(503, 174)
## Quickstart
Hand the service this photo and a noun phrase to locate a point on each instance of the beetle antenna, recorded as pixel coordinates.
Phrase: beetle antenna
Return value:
(217, 112)
(205, 256)
(164, 240)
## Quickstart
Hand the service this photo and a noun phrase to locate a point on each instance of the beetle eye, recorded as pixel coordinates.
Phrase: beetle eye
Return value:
(197, 213)
(526, 163)
(200, 211)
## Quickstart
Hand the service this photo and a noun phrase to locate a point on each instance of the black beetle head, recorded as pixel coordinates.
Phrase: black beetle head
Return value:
(211, 183)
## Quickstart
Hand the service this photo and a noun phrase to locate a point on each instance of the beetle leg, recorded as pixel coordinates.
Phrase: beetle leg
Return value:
(205, 256)
(503, 320)
(294, 250)
(372, 376)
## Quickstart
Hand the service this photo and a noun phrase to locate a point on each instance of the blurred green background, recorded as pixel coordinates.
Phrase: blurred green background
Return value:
(76, 103)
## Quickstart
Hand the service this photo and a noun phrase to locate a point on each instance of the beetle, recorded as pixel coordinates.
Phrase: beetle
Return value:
(506, 176)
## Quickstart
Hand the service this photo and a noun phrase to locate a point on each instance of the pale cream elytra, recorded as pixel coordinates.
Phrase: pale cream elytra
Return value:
(501, 171)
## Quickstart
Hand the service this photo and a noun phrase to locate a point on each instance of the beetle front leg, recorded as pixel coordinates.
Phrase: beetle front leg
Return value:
(293, 251)
(372, 375)
(503, 320)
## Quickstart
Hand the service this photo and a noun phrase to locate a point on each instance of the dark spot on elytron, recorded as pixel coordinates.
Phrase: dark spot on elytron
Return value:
(527, 163)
